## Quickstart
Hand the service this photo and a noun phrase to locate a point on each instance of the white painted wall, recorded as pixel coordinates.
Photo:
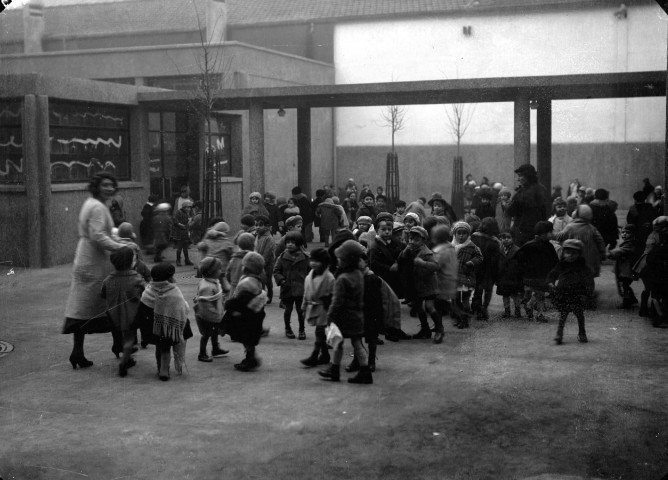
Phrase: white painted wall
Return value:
(521, 44)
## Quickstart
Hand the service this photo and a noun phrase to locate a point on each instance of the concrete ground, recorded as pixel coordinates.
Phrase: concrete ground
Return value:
(497, 401)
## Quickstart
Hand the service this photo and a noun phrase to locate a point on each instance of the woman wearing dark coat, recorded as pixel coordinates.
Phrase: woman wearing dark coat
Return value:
(86, 309)
(529, 205)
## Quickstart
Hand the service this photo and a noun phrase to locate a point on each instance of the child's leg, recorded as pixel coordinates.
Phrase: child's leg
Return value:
(540, 305)
(563, 315)
(184, 246)
(179, 356)
(163, 350)
(338, 354)
(360, 352)
(129, 339)
(466, 304)
(321, 343)
(579, 314)
(506, 306)
(424, 332)
(287, 303)
(300, 317)
(517, 301)
(203, 355)
(435, 314)
(373, 346)
(117, 339)
(216, 351)
(529, 301)
(487, 297)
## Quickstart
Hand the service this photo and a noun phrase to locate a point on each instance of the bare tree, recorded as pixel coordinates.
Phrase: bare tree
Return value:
(214, 68)
(459, 118)
(394, 116)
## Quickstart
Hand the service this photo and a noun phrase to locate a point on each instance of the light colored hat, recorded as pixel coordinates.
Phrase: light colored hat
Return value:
(256, 195)
(420, 231)
(163, 207)
(125, 230)
(460, 226)
(221, 227)
(414, 216)
(364, 219)
(573, 244)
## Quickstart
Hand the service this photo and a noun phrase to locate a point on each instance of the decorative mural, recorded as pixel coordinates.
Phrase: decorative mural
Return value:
(88, 138)
(11, 143)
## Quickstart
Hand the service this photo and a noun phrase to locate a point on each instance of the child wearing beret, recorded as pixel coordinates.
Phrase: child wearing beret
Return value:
(208, 306)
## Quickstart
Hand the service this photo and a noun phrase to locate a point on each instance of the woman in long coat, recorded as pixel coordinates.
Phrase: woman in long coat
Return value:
(85, 311)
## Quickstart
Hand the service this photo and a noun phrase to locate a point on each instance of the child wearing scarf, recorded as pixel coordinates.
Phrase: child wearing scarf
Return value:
(244, 312)
(163, 317)
(468, 258)
(208, 305)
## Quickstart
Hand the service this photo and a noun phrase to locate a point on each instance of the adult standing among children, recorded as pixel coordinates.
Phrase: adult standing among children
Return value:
(604, 218)
(529, 204)
(85, 310)
(304, 204)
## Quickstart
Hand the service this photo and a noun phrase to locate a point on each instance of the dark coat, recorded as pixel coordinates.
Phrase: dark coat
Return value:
(304, 205)
(536, 258)
(573, 281)
(373, 306)
(180, 226)
(528, 206)
(162, 227)
(146, 225)
(487, 271)
(365, 211)
(509, 280)
(290, 272)
(347, 308)
(330, 215)
(274, 216)
(605, 221)
(381, 258)
(242, 323)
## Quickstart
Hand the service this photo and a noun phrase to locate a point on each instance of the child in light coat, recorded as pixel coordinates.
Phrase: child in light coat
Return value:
(468, 259)
(208, 306)
(318, 288)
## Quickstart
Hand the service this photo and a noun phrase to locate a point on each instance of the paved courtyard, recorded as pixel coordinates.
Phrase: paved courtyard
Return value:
(497, 401)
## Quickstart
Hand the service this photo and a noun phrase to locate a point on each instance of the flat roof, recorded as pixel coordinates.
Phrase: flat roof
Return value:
(476, 90)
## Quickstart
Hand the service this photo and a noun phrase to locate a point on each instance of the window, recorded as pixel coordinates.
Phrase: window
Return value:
(168, 154)
(86, 139)
(221, 146)
(11, 142)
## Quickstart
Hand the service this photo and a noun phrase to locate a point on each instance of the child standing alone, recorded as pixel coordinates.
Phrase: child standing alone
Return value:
(290, 272)
(208, 305)
(571, 282)
(318, 288)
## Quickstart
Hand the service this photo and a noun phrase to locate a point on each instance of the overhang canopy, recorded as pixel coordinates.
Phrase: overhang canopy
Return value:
(477, 90)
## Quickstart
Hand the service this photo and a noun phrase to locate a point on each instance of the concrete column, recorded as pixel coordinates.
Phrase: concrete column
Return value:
(304, 150)
(44, 177)
(522, 131)
(544, 140)
(37, 168)
(256, 146)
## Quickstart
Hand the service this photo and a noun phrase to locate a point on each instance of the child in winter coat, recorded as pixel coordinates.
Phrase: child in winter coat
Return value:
(217, 244)
(346, 311)
(446, 275)
(208, 306)
(364, 224)
(536, 258)
(246, 243)
(122, 290)
(254, 206)
(292, 224)
(625, 256)
(163, 317)
(509, 280)
(162, 227)
(384, 252)
(265, 246)
(318, 288)
(571, 282)
(410, 220)
(126, 235)
(180, 233)
(245, 310)
(373, 314)
(290, 272)
(291, 209)
(417, 265)
(468, 259)
(487, 272)
(368, 208)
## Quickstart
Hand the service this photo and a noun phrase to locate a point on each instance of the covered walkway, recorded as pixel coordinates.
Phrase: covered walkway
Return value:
(524, 92)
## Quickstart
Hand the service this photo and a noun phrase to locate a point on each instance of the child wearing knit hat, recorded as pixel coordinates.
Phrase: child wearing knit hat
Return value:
(122, 290)
(468, 258)
(346, 311)
(208, 306)
(265, 246)
(245, 310)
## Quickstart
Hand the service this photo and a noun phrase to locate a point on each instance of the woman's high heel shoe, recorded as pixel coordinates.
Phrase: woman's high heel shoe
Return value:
(81, 361)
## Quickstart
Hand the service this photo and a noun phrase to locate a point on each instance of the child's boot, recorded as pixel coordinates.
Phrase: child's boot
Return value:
(324, 358)
(559, 339)
(506, 312)
(312, 360)
(354, 366)
(288, 329)
(331, 373)
(203, 356)
(363, 376)
(216, 351)
(582, 337)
